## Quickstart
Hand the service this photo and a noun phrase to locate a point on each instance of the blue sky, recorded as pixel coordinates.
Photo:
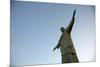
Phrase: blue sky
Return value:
(35, 31)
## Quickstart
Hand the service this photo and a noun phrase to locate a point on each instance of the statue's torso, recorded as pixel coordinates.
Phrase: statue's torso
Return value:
(66, 44)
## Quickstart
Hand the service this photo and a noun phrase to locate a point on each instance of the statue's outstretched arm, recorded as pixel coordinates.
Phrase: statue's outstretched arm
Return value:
(57, 46)
(69, 28)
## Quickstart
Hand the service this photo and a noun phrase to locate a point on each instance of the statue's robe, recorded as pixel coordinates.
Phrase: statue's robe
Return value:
(65, 43)
(68, 52)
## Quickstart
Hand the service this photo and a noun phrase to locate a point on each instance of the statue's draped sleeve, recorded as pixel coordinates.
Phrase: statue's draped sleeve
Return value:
(58, 45)
(70, 26)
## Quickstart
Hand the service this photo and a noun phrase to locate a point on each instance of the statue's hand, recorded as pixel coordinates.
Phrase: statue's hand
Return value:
(54, 49)
(74, 12)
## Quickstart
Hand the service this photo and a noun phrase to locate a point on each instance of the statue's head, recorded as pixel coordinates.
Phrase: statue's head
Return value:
(62, 29)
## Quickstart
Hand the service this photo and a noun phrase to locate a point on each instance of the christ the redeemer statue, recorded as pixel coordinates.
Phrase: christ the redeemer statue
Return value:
(65, 44)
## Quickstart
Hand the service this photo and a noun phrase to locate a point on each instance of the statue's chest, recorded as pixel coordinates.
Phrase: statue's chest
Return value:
(65, 39)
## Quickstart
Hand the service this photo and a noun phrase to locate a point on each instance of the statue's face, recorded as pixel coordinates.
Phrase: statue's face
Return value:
(62, 29)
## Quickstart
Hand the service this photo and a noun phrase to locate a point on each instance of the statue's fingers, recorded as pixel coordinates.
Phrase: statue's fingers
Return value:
(54, 49)
(74, 12)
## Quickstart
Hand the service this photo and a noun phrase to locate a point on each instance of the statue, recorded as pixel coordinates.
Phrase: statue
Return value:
(65, 44)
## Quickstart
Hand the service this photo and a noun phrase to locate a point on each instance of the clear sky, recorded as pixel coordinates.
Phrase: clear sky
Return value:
(35, 31)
